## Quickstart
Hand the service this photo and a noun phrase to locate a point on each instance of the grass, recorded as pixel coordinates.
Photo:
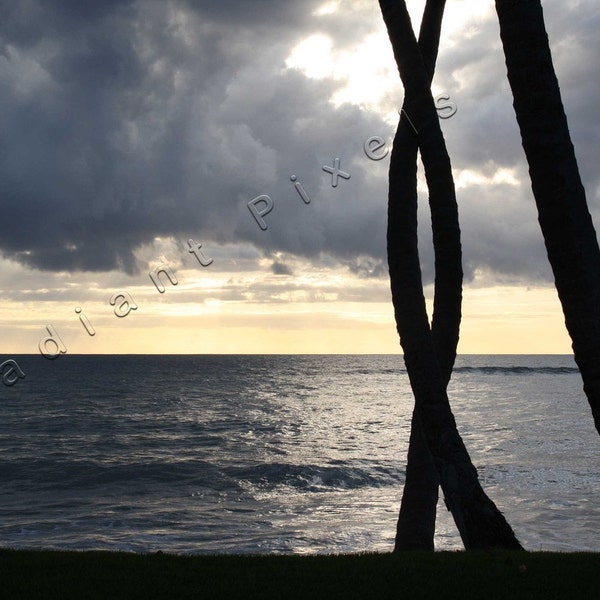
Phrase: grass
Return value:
(51, 575)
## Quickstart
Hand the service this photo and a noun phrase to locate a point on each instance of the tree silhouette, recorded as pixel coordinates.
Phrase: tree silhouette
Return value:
(416, 521)
(564, 218)
(479, 522)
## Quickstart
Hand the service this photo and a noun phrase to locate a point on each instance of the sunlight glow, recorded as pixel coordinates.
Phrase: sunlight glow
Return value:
(367, 71)
(313, 57)
(466, 177)
(328, 8)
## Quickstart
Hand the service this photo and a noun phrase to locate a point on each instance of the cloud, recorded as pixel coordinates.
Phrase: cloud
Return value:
(127, 121)
(279, 268)
(152, 119)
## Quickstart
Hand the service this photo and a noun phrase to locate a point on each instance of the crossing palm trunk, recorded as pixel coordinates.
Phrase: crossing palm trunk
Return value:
(479, 522)
(564, 218)
(415, 529)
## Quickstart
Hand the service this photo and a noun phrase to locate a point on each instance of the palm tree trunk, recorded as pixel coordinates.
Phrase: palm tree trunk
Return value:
(479, 522)
(565, 221)
(415, 529)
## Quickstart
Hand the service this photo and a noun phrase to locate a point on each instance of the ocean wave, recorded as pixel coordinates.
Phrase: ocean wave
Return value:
(517, 370)
(316, 478)
(86, 474)
(71, 474)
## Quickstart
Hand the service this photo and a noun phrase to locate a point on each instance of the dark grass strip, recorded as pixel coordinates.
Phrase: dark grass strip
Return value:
(50, 575)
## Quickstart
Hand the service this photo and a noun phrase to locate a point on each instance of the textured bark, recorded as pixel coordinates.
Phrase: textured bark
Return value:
(415, 529)
(480, 523)
(565, 221)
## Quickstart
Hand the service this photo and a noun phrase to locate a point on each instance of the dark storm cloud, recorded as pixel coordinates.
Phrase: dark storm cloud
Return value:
(279, 268)
(126, 120)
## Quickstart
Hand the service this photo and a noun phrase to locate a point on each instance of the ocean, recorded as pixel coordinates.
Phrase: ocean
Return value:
(279, 453)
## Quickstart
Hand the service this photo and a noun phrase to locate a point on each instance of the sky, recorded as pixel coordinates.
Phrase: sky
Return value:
(153, 136)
